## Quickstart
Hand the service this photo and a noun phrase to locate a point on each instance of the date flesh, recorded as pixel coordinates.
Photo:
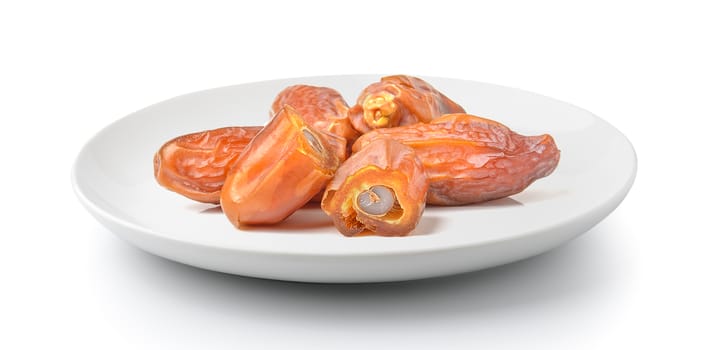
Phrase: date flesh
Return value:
(379, 190)
(284, 166)
(195, 165)
(399, 100)
(469, 159)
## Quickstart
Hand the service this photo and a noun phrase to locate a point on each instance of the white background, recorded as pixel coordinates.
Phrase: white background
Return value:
(638, 279)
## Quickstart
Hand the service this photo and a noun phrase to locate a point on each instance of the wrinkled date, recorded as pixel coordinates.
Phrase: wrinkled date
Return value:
(284, 166)
(399, 100)
(195, 165)
(380, 190)
(321, 107)
(469, 159)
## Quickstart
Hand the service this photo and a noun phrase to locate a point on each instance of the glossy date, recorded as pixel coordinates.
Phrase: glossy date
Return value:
(321, 107)
(469, 159)
(284, 166)
(195, 165)
(379, 190)
(399, 100)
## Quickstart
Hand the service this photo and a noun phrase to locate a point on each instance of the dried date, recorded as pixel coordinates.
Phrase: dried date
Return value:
(399, 100)
(321, 107)
(284, 166)
(379, 190)
(469, 159)
(195, 165)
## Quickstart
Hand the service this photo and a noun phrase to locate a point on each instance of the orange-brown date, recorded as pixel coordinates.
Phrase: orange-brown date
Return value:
(379, 190)
(399, 100)
(195, 165)
(284, 166)
(321, 107)
(469, 159)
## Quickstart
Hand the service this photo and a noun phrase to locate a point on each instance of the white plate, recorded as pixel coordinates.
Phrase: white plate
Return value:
(113, 178)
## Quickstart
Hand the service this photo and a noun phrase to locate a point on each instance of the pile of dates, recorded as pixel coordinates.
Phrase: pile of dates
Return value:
(373, 166)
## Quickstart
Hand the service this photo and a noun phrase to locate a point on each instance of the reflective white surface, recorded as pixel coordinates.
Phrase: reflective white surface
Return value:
(113, 178)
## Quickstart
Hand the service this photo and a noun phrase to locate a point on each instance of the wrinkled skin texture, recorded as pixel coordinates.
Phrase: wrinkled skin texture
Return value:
(385, 163)
(321, 107)
(399, 100)
(284, 166)
(195, 165)
(469, 159)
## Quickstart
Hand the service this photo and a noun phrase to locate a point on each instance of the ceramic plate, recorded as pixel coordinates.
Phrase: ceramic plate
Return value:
(113, 178)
